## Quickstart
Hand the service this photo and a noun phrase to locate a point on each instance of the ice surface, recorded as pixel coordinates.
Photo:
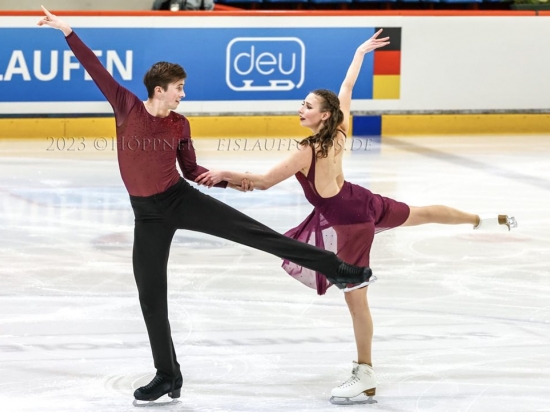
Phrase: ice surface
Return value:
(462, 319)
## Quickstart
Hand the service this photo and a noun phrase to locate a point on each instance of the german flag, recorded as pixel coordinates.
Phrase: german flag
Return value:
(387, 66)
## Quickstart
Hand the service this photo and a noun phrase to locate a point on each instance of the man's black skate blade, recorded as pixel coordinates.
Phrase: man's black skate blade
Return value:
(153, 404)
(352, 401)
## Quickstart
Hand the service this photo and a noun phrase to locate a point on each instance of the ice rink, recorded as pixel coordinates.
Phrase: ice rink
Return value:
(462, 318)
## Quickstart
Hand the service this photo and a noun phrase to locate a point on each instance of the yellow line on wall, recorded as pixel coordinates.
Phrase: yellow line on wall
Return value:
(285, 126)
(402, 125)
(31, 128)
(247, 126)
(201, 126)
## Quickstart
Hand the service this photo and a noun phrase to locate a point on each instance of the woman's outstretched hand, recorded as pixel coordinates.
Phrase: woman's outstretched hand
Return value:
(373, 43)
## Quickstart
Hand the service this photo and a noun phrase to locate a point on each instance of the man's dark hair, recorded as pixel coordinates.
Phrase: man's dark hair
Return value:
(162, 74)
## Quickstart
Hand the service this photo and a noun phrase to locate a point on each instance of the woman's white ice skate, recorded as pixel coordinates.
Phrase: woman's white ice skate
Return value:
(496, 222)
(362, 381)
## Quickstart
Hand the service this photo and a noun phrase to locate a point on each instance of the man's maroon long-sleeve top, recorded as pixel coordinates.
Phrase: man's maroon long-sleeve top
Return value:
(147, 146)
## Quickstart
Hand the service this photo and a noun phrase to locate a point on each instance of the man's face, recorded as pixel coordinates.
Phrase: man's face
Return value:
(173, 94)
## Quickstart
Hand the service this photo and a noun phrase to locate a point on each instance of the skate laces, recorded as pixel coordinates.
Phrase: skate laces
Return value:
(156, 380)
(349, 270)
(352, 379)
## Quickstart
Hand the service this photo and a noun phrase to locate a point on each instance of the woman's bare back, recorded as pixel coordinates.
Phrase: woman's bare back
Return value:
(329, 176)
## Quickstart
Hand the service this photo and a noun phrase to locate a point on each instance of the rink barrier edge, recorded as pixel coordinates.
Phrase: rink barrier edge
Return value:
(289, 126)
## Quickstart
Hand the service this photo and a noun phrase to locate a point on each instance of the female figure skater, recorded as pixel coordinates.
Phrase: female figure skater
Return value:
(346, 216)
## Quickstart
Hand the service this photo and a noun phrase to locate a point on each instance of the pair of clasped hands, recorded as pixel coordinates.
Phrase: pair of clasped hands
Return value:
(213, 177)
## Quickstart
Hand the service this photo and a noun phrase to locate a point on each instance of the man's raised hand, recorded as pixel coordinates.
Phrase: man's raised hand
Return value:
(53, 21)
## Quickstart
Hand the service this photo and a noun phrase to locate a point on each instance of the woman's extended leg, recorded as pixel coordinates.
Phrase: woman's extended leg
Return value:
(439, 214)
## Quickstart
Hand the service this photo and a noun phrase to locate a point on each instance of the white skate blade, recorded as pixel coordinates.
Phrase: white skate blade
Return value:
(372, 279)
(358, 400)
(152, 404)
(511, 222)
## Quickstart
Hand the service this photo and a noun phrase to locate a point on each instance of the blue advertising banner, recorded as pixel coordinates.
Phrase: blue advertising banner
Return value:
(231, 64)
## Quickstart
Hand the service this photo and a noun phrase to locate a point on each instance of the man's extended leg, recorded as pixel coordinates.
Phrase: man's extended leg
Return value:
(199, 212)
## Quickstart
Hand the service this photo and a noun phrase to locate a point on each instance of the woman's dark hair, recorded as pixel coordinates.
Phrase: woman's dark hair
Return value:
(162, 74)
(325, 138)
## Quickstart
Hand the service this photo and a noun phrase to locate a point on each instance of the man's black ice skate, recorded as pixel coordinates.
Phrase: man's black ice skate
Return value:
(158, 387)
(350, 277)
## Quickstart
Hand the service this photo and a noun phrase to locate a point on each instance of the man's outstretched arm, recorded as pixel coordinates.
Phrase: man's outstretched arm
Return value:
(119, 97)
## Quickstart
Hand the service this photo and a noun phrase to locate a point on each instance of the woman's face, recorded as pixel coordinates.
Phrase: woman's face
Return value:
(310, 112)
